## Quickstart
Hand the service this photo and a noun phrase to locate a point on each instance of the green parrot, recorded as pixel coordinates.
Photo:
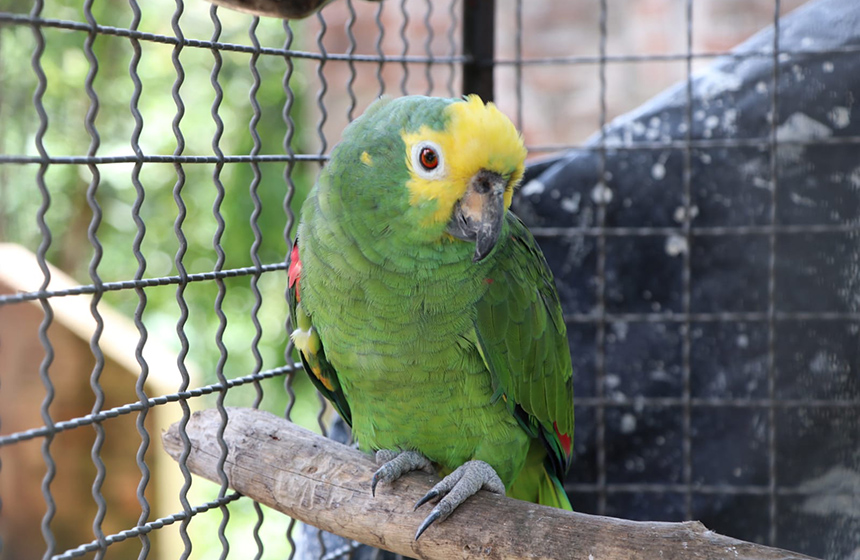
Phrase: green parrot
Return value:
(425, 311)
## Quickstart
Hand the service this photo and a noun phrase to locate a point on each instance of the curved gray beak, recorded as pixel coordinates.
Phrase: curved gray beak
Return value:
(479, 215)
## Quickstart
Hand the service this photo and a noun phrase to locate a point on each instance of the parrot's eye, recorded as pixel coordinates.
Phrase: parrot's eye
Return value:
(427, 160)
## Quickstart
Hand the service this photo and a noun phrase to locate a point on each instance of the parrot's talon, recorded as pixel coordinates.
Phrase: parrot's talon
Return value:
(456, 488)
(395, 464)
(427, 497)
(429, 520)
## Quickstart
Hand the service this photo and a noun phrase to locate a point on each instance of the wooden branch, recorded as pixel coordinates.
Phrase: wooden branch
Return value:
(326, 484)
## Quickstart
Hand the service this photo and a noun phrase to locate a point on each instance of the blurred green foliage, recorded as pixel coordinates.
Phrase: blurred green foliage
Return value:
(69, 216)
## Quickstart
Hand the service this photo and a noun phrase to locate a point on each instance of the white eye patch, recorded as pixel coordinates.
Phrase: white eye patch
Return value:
(427, 160)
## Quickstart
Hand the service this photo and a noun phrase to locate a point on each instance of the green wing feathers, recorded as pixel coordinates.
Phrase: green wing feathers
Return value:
(308, 343)
(523, 340)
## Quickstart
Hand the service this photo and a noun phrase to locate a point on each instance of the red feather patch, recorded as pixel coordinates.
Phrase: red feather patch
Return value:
(295, 270)
(564, 439)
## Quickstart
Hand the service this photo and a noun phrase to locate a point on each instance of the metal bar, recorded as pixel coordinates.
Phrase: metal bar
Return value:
(197, 43)
(277, 158)
(771, 281)
(140, 194)
(143, 283)
(253, 190)
(749, 316)
(479, 28)
(657, 488)
(92, 235)
(47, 310)
(686, 342)
(220, 194)
(183, 516)
(52, 428)
(600, 284)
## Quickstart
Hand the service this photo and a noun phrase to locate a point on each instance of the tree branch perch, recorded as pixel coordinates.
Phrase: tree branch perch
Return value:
(327, 484)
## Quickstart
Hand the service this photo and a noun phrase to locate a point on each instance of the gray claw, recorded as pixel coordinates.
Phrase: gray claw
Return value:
(395, 464)
(434, 515)
(427, 497)
(465, 481)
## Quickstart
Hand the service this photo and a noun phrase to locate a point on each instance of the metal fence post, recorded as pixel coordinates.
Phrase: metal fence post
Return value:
(479, 24)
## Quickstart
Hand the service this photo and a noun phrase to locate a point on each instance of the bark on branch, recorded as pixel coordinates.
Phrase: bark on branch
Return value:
(326, 484)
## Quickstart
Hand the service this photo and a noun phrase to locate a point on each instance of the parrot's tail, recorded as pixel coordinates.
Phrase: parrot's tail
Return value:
(551, 493)
(537, 483)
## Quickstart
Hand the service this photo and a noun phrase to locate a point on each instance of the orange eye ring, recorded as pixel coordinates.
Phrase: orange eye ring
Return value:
(428, 158)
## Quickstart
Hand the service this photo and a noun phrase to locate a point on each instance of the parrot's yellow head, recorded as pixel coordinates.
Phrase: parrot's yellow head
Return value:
(428, 169)
(464, 172)
(442, 163)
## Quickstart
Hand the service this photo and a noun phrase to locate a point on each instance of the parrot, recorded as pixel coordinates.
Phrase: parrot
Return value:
(424, 310)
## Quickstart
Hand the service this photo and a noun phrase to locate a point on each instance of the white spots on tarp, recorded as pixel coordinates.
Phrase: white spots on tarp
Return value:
(676, 245)
(635, 464)
(628, 423)
(783, 57)
(855, 178)
(836, 492)
(705, 158)
(762, 183)
(802, 200)
(659, 374)
(828, 362)
(827, 67)
(620, 329)
(840, 117)
(555, 194)
(601, 194)
(612, 381)
(711, 122)
(797, 71)
(715, 82)
(680, 214)
(761, 87)
(653, 131)
(807, 42)
(800, 127)
(570, 204)
(658, 170)
(730, 121)
(742, 340)
(533, 187)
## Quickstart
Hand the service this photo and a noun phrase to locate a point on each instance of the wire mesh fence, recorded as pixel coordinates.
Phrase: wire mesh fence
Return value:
(159, 152)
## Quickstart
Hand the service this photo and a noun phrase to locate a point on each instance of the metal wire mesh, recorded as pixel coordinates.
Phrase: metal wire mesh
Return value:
(415, 49)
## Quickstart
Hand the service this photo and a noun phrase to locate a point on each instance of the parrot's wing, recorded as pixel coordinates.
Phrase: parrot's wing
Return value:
(310, 346)
(522, 338)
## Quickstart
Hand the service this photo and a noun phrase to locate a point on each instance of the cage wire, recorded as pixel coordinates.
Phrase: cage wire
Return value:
(253, 107)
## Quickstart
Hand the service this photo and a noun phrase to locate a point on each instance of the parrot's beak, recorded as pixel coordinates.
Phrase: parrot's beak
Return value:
(479, 215)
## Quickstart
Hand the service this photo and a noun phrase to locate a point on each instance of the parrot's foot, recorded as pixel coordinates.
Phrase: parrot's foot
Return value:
(455, 488)
(395, 464)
